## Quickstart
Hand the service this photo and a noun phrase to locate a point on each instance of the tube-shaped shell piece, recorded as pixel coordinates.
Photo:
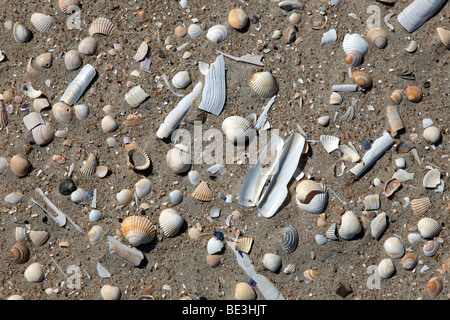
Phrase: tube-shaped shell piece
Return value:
(244, 291)
(136, 96)
(395, 121)
(73, 60)
(271, 261)
(264, 84)
(237, 18)
(418, 12)
(138, 230)
(170, 222)
(78, 85)
(101, 26)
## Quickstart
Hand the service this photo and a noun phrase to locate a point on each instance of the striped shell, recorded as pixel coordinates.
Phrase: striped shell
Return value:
(362, 79)
(181, 80)
(332, 232)
(170, 222)
(414, 93)
(237, 129)
(194, 31)
(19, 165)
(202, 192)
(88, 46)
(244, 244)
(244, 291)
(396, 96)
(435, 286)
(428, 228)
(378, 225)
(101, 26)
(43, 134)
(444, 35)
(350, 226)
(271, 261)
(20, 234)
(237, 18)
(39, 237)
(420, 206)
(95, 234)
(44, 60)
(3, 115)
(19, 253)
(409, 261)
(264, 84)
(354, 42)
(81, 111)
(62, 112)
(377, 37)
(217, 33)
(138, 159)
(289, 239)
(34, 272)
(394, 247)
(354, 58)
(90, 165)
(178, 160)
(41, 21)
(143, 187)
(138, 230)
(430, 248)
(310, 275)
(65, 5)
(109, 124)
(386, 268)
(136, 96)
(73, 60)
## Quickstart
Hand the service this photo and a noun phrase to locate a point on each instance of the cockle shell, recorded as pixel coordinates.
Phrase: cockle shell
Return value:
(136, 96)
(394, 247)
(181, 80)
(88, 46)
(396, 96)
(109, 124)
(90, 165)
(101, 26)
(143, 187)
(350, 226)
(238, 130)
(310, 274)
(138, 230)
(432, 134)
(428, 228)
(194, 31)
(264, 84)
(19, 165)
(378, 225)
(180, 31)
(202, 192)
(124, 197)
(73, 60)
(430, 248)
(335, 98)
(354, 42)
(444, 35)
(81, 111)
(414, 238)
(414, 93)
(362, 79)
(435, 286)
(95, 234)
(178, 160)
(354, 58)
(237, 18)
(271, 261)
(79, 196)
(62, 112)
(43, 134)
(21, 33)
(138, 159)
(311, 196)
(214, 246)
(44, 60)
(409, 261)
(19, 253)
(34, 272)
(41, 21)
(110, 292)
(330, 143)
(244, 244)
(95, 215)
(170, 222)
(331, 233)
(420, 206)
(217, 33)
(289, 239)
(386, 268)
(39, 237)
(377, 37)
(244, 291)
(3, 115)
(65, 5)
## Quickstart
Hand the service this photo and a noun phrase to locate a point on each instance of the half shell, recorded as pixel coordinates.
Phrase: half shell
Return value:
(21, 33)
(34, 272)
(217, 33)
(19, 165)
(444, 35)
(138, 230)
(237, 18)
(178, 160)
(143, 187)
(409, 261)
(378, 225)
(350, 226)
(41, 21)
(330, 143)
(414, 93)
(43, 134)
(138, 159)
(432, 134)
(194, 31)
(377, 37)
(354, 58)
(65, 5)
(124, 197)
(88, 46)
(101, 26)
(244, 291)
(95, 234)
(354, 42)
(62, 112)
(289, 239)
(181, 80)
(39, 237)
(44, 60)
(202, 192)
(90, 165)
(271, 261)
(420, 206)
(170, 222)
(435, 286)
(264, 84)
(311, 196)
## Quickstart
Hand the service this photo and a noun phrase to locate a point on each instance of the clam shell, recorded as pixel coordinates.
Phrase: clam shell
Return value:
(138, 159)
(244, 291)
(101, 26)
(19, 165)
(65, 5)
(396, 96)
(178, 160)
(237, 18)
(432, 134)
(181, 80)
(14, 197)
(362, 79)
(124, 197)
(202, 192)
(295, 18)
(180, 31)
(194, 177)
(194, 31)
(377, 37)
(394, 247)
(62, 112)
(20, 234)
(73, 60)
(412, 47)
(81, 111)
(90, 165)
(79, 196)
(136, 96)
(170, 222)
(386, 268)
(354, 58)
(320, 239)
(39, 237)
(409, 261)
(378, 225)
(244, 244)
(289, 34)
(420, 206)
(19, 253)
(138, 230)
(264, 84)
(430, 248)
(41, 21)
(444, 35)
(110, 292)
(289, 239)
(432, 178)
(332, 233)
(350, 226)
(34, 272)
(43, 134)
(335, 98)
(372, 202)
(414, 238)
(237, 129)
(88, 46)
(95, 234)
(414, 93)
(109, 124)
(21, 33)
(214, 246)
(95, 215)
(324, 121)
(328, 37)
(143, 187)
(330, 143)
(354, 42)
(141, 52)
(435, 286)
(176, 196)
(44, 60)
(428, 228)
(310, 275)
(271, 261)
(213, 260)
(217, 33)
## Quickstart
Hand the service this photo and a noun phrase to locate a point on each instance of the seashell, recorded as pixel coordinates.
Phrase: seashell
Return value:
(41, 21)
(90, 165)
(40, 104)
(194, 31)
(3, 115)
(420, 206)
(311, 196)
(130, 255)
(95, 234)
(328, 37)
(237, 18)
(331, 233)
(67, 186)
(194, 177)
(244, 291)
(81, 111)
(310, 275)
(409, 261)
(180, 31)
(181, 80)
(170, 222)
(138, 159)
(386, 268)
(430, 248)
(110, 292)
(432, 178)
(414, 93)
(320, 239)
(21, 33)
(124, 197)
(432, 134)
(396, 96)
(427, 122)
(32, 120)
(143, 187)
(350, 226)
(101, 26)
(62, 112)
(214, 246)
(394, 247)
(295, 18)
(395, 121)
(400, 162)
(290, 268)
(34, 272)
(213, 260)
(362, 79)
(79, 196)
(95, 215)
(202, 192)
(19, 165)
(354, 42)
(378, 225)
(289, 239)
(244, 244)
(444, 35)
(330, 143)
(178, 160)
(109, 124)
(264, 84)
(317, 21)
(138, 230)
(413, 238)
(412, 47)
(377, 37)
(354, 58)
(176, 197)
(65, 5)
(238, 130)
(31, 92)
(136, 96)
(39, 237)
(428, 228)
(289, 34)
(19, 253)
(78, 85)
(335, 98)
(324, 121)
(88, 46)
(214, 92)
(418, 12)
(73, 60)
(271, 261)
(217, 33)
(391, 186)
(44, 60)
(372, 202)
(289, 5)
(141, 52)
(435, 287)
(20, 234)
(101, 171)
(14, 197)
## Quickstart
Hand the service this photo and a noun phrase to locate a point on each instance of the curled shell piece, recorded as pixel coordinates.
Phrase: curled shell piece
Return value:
(143, 187)
(237, 129)
(124, 197)
(88, 46)
(435, 286)
(34, 272)
(101, 26)
(237, 18)
(202, 192)
(310, 274)
(378, 225)
(394, 247)
(176, 196)
(350, 226)
(95, 234)
(386, 268)
(136, 96)
(62, 112)
(65, 5)
(81, 111)
(19, 165)
(396, 96)
(90, 165)
(362, 79)
(432, 134)
(354, 58)
(170, 222)
(290, 268)
(181, 80)
(444, 35)
(109, 124)
(430, 248)
(264, 84)
(289, 239)
(409, 261)
(39, 237)
(217, 33)
(44, 60)
(110, 292)
(178, 160)
(332, 232)
(138, 230)
(377, 37)
(414, 93)
(420, 206)
(19, 253)
(194, 31)
(428, 228)
(328, 37)
(21, 33)
(41, 21)
(391, 186)
(244, 291)
(138, 159)
(271, 261)
(73, 60)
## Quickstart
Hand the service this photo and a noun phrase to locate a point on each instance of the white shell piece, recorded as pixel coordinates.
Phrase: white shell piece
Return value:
(372, 202)
(330, 143)
(271, 261)
(131, 255)
(427, 123)
(194, 177)
(214, 92)
(181, 80)
(349, 153)
(217, 33)
(432, 178)
(403, 176)
(41, 21)
(79, 196)
(14, 197)
(350, 226)
(136, 96)
(414, 238)
(170, 222)
(214, 246)
(320, 239)
(32, 120)
(378, 225)
(418, 12)
(329, 37)
(31, 92)
(77, 87)
(102, 271)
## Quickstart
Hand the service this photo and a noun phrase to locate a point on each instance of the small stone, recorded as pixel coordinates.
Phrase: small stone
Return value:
(67, 186)
(343, 290)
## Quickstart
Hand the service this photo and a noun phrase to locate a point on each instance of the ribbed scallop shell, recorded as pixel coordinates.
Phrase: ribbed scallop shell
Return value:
(315, 200)
(143, 187)
(178, 160)
(88, 46)
(34, 272)
(350, 226)
(62, 112)
(44, 60)
(244, 291)
(237, 129)
(271, 261)
(428, 228)
(378, 225)
(354, 42)
(310, 275)
(39, 237)
(65, 5)
(330, 143)
(396, 96)
(394, 247)
(138, 159)
(386, 268)
(430, 248)
(414, 93)
(432, 134)
(409, 261)
(101, 26)
(217, 33)
(170, 222)
(435, 286)
(377, 37)
(19, 253)
(354, 58)
(138, 230)
(362, 79)
(264, 84)
(3, 115)
(90, 165)
(194, 31)
(202, 192)
(444, 35)
(21, 33)
(420, 206)
(41, 21)
(19, 165)
(181, 80)
(43, 134)
(95, 234)
(244, 244)
(289, 239)
(73, 60)
(237, 18)
(332, 233)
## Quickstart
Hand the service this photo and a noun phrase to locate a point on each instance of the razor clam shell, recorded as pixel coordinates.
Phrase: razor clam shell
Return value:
(60, 219)
(131, 255)
(329, 37)
(214, 92)
(344, 87)
(418, 12)
(77, 87)
(395, 121)
(289, 239)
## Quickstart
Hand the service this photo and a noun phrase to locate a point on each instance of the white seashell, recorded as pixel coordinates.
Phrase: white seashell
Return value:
(412, 47)
(81, 111)
(21, 33)
(194, 31)
(427, 122)
(418, 12)
(414, 238)
(88, 46)
(378, 225)
(78, 85)
(264, 84)
(194, 177)
(110, 292)
(20, 234)
(400, 163)
(214, 246)
(289, 5)
(344, 87)
(143, 187)
(214, 92)
(32, 120)
(428, 228)
(350, 226)
(170, 222)
(377, 37)
(354, 42)
(181, 80)
(320, 239)
(30, 91)
(124, 197)
(14, 197)
(432, 134)
(394, 247)
(330, 143)
(34, 272)
(403, 176)
(271, 261)
(217, 33)
(101, 26)
(95, 215)
(109, 124)
(62, 112)
(102, 271)
(141, 52)
(324, 121)
(44, 60)
(178, 160)
(176, 197)
(73, 60)
(95, 234)
(79, 196)
(432, 178)
(329, 37)
(238, 130)
(430, 248)
(349, 153)
(386, 268)
(335, 98)
(41, 21)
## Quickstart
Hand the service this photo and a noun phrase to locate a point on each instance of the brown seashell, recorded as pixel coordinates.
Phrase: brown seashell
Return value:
(409, 261)
(391, 186)
(3, 115)
(238, 19)
(39, 237)
(59, 159)
(354, 58)
(244, 244)
(289, 34)
(362, 79)
(420, 206)
(19, 165)
(396, 96)
(132, 120)
(213, 260)
(414, 93)
(180, 31)
(138, 159)
(444, 35)
(44, 60)
(244, 291)
(101, 26)
(138, 230)
(317, 21)
(202, 192)
(435, 287)
(310, 274)
(19, 253)
(377, 36)
(8, 95)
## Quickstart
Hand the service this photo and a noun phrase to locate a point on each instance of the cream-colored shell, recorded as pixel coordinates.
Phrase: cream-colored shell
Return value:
(62, 112)
(41, 21)
(124, 197)
(110, 292)
(143, 187)
(73, 60)
(170, 222)
(109, 124)
(350, 226)
(44, 60)
(95, 234)
(181, 80)
(39, 237)
(244, 291)
(237, 18)
(271, 261)
(428, 228)
(217, 33)
(138, 230)
(264, 84)
(178, 160)
(386, 268)
(101, 26)
(394, 247)
(88, 46)
(202, 192)
(237, 129)
(19, 165)
(34, 272)
(90, 165)
(377, 37)
(444, 35)
(432, 134)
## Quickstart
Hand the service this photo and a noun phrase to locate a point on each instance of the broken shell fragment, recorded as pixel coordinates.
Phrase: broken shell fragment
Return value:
(170, 222)
(444, 35)
(136, 96)
(43, 134)
(110, 292)
(332, 232)
(391, 186)
(372, 202)
(138, 230)
(214, 246)
(432, 178)
(138, 159)
(244, 244)
(78, 85)
(264, 84)
(395, 121)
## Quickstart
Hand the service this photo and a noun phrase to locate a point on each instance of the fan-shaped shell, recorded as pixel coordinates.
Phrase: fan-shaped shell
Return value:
(362, 79)
(428, 228)
(138, 159)
(354, 58)
(81, 111)
(21, 33)
(41, 21)
(435, 286)
(43, 134)
(124, 197)
(331, 233)
(90, 165)
(386, 268)
(178, 160)
(143, 187)
(430, 248)
(176, 196)
(194, 31)
(170, 222)
(444, 35)
(310, 274)
(138, 230)
(34, 272)
(237, 18)
(39, 237)
(217, 33)
(414, 93)
(271, 261)
(396, 96)
(289, 239)
(394, 247)
(237, 129)
(95, 234)
(350, 226)
(377, 37)
(109, 124)
(19, 253)
(65, 5)
(214, 246)
(354, 42)
(244, 244)
(44, 60)
(79, 196)
(202, 192)
(378, 225)
(244, 291)
(73, 60)
(409, 261)
(101, 26)
(330, 143)
(420, 206)
(264, 84)
(62, 112)
(432, 134)
(88, 46)
(181, 80)
(19, 165)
